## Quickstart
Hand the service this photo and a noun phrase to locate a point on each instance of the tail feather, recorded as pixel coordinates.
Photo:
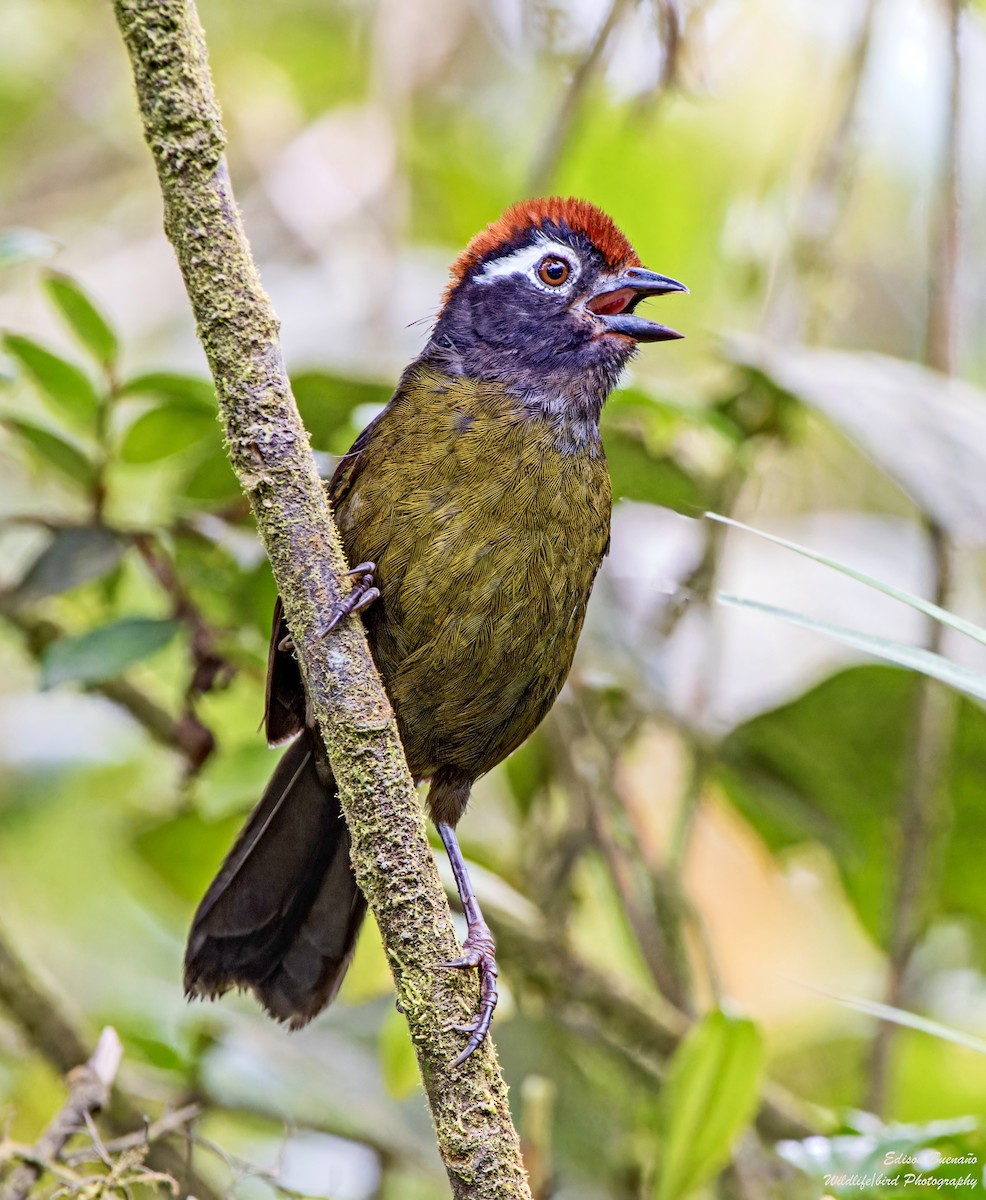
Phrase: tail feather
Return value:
(283, 913)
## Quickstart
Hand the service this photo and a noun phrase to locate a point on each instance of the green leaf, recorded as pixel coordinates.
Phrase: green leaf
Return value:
(213, 481)
(326, 403)
(798, 775)
(105, 652)
(65, 456)
(926, 662)
(20, 245)
(73, 556)
(158, 1053)
(83, 318)
(170, 385)
(638, 475)
(398, 1062)
(709, 1095)
(167, 430)
(67, 386)
(925, 431)
(185, 851)
(922, 606)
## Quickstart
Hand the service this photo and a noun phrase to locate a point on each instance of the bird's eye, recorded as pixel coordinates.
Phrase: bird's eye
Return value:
(553, 270)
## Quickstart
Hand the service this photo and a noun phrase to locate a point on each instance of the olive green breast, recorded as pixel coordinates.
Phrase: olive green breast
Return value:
(487, 540)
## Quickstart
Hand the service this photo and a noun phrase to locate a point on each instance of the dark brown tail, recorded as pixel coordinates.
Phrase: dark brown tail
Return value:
(282, 915)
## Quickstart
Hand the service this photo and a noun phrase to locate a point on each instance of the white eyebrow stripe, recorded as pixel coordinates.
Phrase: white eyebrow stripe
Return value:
(522, 260)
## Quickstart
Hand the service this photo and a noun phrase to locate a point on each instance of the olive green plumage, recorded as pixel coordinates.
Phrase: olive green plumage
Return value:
(486, 540)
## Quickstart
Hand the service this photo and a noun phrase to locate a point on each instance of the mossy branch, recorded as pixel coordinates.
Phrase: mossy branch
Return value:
(268, 448)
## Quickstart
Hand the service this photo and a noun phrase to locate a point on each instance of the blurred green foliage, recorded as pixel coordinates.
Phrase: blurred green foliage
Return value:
(714, 799)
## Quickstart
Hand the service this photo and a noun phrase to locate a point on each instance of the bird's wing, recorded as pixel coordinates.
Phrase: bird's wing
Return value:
(284, 704)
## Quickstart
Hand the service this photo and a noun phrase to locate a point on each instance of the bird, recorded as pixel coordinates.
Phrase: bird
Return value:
(476, 506)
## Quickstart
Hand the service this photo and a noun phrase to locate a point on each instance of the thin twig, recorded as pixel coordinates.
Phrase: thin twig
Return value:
(924, 809)
(825, 201)
(209, 669)
(89, 1091)
(172, 1122)
(590, 780)
(560, 128)
(50, 1031)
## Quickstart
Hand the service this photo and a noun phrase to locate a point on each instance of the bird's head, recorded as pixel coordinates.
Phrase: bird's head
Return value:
(545, 299)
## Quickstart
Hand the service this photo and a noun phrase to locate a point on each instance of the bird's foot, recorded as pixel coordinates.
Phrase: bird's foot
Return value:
(478, 953)
(364, 592)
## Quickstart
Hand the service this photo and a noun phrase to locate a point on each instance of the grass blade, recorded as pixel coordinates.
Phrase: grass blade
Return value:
(913, 657)
(923, 606)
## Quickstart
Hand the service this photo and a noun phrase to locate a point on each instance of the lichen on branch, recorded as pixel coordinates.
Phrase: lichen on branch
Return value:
(269, 450)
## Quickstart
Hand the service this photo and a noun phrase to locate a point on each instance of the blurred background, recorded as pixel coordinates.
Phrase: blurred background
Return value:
(724, 808)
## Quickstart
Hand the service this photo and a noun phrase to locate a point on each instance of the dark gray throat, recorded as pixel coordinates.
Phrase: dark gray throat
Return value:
(571, 403)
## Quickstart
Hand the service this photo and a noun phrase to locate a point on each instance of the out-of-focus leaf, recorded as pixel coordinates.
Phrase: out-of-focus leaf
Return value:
(638, 475)
(162, 1055)
(326, 403)
(936, 666)
(170, 385)
(829, 768)
(232, 781)
(73, 556)
(923, 606)
(106, 651)
(21, 245)
(232, 594)
(67, 386)
(528, 770)
(83, 318)
(213, 481)
(185, 851)
(169, 429)
(710, 1093)
(925, 431)
(53, 449)
(663, 414)
(397, 1059)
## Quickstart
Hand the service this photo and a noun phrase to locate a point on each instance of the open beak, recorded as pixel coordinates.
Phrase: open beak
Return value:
(614, 302)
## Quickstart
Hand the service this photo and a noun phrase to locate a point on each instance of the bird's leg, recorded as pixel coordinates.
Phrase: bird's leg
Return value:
(478, 949)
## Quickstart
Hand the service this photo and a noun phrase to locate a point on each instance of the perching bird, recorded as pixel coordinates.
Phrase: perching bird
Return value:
(478, 505)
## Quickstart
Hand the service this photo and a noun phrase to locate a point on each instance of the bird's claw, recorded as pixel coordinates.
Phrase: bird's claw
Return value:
(364, 592)
(479, 953)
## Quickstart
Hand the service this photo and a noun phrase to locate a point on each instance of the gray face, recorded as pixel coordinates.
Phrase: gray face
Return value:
(521, 318)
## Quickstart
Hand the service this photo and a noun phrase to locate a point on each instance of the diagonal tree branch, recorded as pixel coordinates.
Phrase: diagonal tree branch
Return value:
(268, 448)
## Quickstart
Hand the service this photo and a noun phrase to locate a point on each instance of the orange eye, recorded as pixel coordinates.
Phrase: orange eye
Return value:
(553, 270)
